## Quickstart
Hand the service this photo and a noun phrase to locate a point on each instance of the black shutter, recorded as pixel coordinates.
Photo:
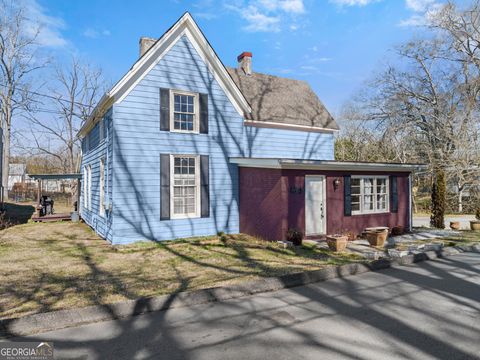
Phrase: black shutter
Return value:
(203, 104)
(393, 194)
(204, 187)
(347, 195)
(164, 186)
(164, 109)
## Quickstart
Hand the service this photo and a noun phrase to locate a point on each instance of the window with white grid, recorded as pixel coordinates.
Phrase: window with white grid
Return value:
(184, 111)
(369, 194)
(185, 186)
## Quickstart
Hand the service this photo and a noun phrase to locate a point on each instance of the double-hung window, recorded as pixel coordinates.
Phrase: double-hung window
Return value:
(184, 111)
(369, 194)
(185, 186)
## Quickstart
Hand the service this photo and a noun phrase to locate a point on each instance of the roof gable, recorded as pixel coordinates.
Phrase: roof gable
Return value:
(185, 26)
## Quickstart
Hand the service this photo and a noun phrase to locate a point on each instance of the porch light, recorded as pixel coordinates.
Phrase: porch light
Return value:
(336, 183)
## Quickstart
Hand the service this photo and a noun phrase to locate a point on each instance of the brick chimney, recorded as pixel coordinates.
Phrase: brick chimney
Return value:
(145, 44)
(245, 62)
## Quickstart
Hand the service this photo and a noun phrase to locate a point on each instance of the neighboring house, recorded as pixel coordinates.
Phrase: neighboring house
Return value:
(17, 174)
(182, 146)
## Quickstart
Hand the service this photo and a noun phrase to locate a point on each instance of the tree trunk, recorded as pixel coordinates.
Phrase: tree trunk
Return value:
(460, 200)
(6, 162)
(437, 219)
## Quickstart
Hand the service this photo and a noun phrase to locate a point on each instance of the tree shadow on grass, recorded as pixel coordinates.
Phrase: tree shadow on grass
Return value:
(376, 306)
(16, 214)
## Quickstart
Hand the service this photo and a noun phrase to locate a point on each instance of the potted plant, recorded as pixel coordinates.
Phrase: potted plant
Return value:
(377, 236)
(475, 224)
(295, 236)
(351, 235)
(454, 225)
(398, 230)
(337, 242)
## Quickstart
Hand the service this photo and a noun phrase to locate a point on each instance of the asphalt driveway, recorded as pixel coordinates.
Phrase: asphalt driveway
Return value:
(426, 311)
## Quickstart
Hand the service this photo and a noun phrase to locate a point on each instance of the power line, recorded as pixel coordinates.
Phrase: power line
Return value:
(51, 97)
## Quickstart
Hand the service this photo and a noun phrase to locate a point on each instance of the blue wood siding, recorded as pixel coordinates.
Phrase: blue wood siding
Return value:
(290, 144)
(136, 142)
(94, 149)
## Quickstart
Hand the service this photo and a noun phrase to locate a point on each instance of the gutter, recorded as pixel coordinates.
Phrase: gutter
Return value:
(330, 165)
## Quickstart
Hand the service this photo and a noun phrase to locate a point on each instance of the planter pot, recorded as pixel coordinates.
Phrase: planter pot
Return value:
(475, 225)
(337, 243)
(377, 237)
(398, 230)
(454, 225)
(352, 236)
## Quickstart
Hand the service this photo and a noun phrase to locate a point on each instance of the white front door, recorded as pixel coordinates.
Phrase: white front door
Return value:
(315, 211)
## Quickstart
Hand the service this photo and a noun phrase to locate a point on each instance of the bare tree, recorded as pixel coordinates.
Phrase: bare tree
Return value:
(74, 94)
(18, 59)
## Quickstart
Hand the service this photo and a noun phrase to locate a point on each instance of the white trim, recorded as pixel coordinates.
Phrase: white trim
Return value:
(362, 211)
(197, 187)
(196, 113)
(275, 125)
(184, 26)
(89, 187)
(101, 188)
(85, 187)
(324, 203)
(323, 165)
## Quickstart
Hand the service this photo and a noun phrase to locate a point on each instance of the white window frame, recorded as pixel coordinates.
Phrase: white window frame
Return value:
(362, 211)
(89, 187)
(85, 187)
(197, 186)
(101, 187)
(196, 115)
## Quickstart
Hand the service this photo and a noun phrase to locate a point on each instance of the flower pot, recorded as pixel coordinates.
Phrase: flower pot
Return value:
(337, 243)
(398, 230)
(377, 237)
(454, 225)
(475, 225)
(351, 236)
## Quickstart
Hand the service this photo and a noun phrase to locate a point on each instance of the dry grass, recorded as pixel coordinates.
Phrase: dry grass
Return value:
(52, 266)
(465, 237)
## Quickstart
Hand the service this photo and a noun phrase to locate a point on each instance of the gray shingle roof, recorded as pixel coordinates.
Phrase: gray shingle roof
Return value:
(282, 100)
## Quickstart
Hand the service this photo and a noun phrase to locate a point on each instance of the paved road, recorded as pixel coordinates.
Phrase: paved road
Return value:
(425, 221)
(425, 311)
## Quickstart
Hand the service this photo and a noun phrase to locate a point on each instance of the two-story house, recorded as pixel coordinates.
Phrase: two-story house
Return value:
(183, 146)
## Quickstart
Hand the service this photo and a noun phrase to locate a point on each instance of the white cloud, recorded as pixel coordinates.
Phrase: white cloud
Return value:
(353, 2)
(258, 21)
(205, 15)
(289, 6)
(419, 5)
(424, 11)
(268, 15)
(49, 27)
(95, 34)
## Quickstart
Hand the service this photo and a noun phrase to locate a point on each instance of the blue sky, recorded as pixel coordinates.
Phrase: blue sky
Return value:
(333, 44)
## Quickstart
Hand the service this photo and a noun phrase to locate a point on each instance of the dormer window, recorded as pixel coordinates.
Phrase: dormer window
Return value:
(184, 112)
